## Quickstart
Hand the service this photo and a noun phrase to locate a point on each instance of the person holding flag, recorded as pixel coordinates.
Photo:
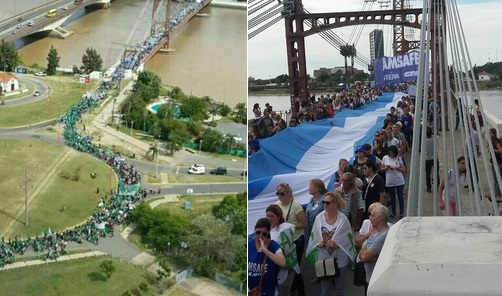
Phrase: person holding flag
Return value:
(283, 233)
(332, 237)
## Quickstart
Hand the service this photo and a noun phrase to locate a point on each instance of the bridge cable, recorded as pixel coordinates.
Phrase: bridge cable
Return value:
(264, 16)
(264, 27)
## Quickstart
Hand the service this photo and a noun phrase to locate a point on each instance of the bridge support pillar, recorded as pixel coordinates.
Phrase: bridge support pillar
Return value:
(62, 33)
(297, 66)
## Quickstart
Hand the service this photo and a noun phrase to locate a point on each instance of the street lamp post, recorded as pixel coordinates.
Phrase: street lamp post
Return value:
(200, 146)
(130, 133)
(25, 183)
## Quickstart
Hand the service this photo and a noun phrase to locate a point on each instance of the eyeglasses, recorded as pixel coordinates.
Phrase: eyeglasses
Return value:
(280, 193)
(327, 203)
(264, 234)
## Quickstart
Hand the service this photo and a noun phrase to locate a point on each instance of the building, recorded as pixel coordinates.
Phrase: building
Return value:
(328, 71)
(484, 76)
(8, 83)
(376, 45)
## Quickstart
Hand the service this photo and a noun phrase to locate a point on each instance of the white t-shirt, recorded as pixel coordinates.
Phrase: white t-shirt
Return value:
(393, 177)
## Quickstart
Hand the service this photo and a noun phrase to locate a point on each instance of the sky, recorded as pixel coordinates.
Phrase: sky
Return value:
(480, 19)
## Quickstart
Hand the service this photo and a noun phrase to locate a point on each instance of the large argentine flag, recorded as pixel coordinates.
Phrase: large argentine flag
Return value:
(310, 151)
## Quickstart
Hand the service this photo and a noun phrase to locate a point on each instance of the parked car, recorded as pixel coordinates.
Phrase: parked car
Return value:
(31, 23)
(36, 93)
(197, 169)
(40, 74)
(14, 32)
(219, 171)
(18, 26)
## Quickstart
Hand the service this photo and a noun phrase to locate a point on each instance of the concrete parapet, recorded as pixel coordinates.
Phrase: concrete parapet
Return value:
(440, 256)
(229, 4)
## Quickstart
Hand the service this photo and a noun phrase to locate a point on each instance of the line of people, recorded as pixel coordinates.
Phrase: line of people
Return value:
(113, 209)
(279, 244)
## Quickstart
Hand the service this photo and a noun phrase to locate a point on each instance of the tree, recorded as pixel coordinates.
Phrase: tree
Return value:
(233, 209)
(153, 149)
(177, 134)
(8, 56)
(211, 242)
(213, 110)
(241, 112)
(224, 110)
(211, 140)
(148, 85)
(52, 61)
(76, 70)
(107, 268)
(91, 61)
(284, 78)
(195, 108)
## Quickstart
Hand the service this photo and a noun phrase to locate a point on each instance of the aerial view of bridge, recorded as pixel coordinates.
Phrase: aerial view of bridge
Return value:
(20, 235)
(51, 17)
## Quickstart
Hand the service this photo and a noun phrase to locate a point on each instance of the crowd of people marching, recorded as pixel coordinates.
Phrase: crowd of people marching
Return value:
(366, 196)
(268, 122)
(112, 209)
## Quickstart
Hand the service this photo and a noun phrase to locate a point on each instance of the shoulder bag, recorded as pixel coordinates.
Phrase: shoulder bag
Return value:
(327, 268)
(256, 291)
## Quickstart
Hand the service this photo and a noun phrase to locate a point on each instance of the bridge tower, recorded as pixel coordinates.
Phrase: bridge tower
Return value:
(300, 24)
(165, 23)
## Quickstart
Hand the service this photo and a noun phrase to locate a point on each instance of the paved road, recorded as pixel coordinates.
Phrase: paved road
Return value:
(44, 88)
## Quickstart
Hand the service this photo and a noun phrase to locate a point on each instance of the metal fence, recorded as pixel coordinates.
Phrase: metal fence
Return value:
(224, 280)
(184, 274)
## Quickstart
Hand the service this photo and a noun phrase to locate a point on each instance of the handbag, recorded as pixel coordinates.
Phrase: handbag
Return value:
(359, 274)
(256, 291)
(327, 268)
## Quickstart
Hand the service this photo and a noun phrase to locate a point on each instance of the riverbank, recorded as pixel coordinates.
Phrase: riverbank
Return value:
(229, 4)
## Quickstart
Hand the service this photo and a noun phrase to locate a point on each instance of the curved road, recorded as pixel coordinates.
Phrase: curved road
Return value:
(44, 88)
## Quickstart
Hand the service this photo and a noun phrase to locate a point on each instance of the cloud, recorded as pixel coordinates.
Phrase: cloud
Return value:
(267, 51)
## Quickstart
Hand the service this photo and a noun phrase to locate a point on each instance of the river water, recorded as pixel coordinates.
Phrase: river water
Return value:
(490, 99)
(210, 56)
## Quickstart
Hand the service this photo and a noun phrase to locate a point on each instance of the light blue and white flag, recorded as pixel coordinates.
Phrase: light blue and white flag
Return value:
(310, 151)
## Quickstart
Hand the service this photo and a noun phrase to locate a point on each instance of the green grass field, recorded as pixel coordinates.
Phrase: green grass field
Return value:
(79, 197)
(187, 178)
(201, 204)
(75, 277)
(65, 93)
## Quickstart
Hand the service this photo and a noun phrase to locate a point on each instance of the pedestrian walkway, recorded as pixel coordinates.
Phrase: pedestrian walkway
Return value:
(34, 262)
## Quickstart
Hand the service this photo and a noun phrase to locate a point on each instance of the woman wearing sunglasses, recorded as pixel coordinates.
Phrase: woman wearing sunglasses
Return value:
(293, 213)
(263, 250)
(331, 239)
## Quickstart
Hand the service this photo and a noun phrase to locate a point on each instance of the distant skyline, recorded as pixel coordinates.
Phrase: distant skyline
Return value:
(267, 51)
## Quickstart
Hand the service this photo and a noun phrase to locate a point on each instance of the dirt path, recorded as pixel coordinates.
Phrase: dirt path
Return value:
(42, 185)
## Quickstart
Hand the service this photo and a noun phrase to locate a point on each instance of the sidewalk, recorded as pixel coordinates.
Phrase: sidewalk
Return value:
(60, 259)
(141, 148)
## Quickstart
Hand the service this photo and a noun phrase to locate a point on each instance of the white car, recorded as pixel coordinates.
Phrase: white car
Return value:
(197, 169)
(64, 8)
(31, 23)
(40, 74)
(36, 93)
